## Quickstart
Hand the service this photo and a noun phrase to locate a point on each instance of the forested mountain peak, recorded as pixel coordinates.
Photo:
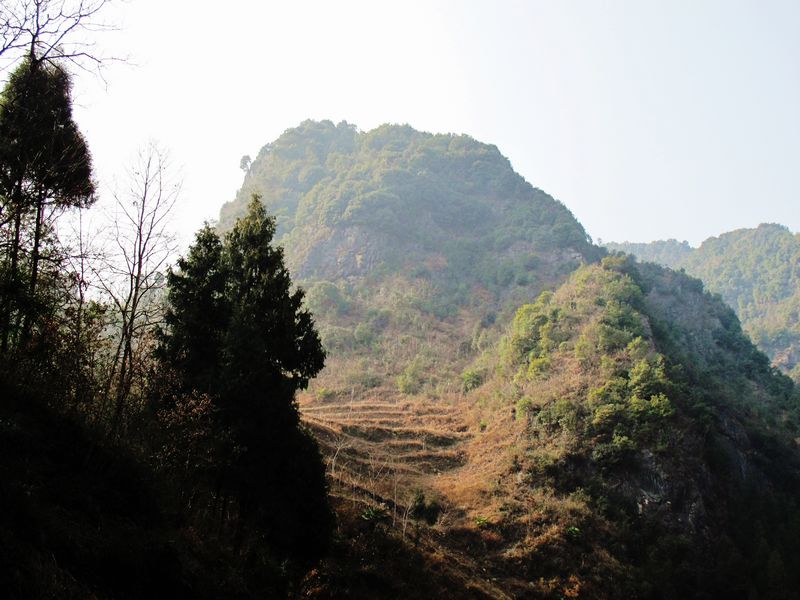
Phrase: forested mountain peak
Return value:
(349, 203)
(396, 232)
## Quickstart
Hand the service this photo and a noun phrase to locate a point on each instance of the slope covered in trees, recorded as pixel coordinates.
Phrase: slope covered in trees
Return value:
(408, 243)
(757, 273)
(617, 434)
(350, 203)
(651, 452)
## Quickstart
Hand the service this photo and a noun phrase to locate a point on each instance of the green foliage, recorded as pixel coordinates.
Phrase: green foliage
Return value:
(375, 514)
(324, 394)
(523, 407)
(364, 334)
(481, 521)
(562, 414)
(670, 253)
(42, 150)
(325, 298)
(754, 271)
(619, 452)
(406, 196)
(537, 330)
(45, 168)
(538, 367)
(364, 378)
(471, 379)
(410, 381)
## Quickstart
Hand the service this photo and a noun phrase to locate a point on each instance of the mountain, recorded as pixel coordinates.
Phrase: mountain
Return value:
(396, 234)
(653, 448)
(506, 410)
(350, 204)
(756, 271)
(669, 253)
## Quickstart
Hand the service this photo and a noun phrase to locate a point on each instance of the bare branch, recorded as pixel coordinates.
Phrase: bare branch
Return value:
(53, 30)
(133, 274)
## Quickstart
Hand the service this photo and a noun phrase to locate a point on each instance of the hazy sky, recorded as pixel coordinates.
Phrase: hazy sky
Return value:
(648, 120)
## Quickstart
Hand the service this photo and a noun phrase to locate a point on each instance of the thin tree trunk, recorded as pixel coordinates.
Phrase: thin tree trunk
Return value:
(12, 280)
(34, 280)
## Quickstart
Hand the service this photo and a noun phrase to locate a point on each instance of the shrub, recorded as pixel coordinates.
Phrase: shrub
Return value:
(523, 407)
(325, 298)
(538, 367)
(411, 379)
(562, 413)
(619, 452)
(323, 393)
(364, 334)
(422, 510)
(471, 379)
(364, 379)
(375, 514)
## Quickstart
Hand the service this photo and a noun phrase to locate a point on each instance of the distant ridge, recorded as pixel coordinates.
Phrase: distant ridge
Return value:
(756, 271)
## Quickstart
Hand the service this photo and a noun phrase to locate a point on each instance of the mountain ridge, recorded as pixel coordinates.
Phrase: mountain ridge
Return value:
(756, 271)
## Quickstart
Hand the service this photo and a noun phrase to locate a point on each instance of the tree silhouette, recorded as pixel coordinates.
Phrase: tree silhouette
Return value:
(237, 332)
(45, 168)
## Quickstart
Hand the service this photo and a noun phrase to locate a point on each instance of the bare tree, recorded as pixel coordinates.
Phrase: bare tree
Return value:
(140, 246)
(52, 30)
(341, 443)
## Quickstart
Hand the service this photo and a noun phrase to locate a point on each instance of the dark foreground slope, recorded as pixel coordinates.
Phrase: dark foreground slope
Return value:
(756, 271)
(79, 520)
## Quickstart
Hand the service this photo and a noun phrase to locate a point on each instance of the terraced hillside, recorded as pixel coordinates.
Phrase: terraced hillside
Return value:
(383, 445)
(390, 459)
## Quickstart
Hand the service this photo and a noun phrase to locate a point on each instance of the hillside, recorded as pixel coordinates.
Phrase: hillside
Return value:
(623, 438)
(652, 448)
(616, 435)
(408, 244)
(757, 273)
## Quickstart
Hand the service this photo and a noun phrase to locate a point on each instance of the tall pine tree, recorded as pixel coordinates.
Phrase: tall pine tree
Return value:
(237, 332)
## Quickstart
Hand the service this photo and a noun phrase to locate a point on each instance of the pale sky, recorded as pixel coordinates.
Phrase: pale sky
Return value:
(649, 120)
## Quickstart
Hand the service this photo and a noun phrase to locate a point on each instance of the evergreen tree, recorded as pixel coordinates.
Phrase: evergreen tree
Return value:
(197, 314)
(45, 167)
(237, 332)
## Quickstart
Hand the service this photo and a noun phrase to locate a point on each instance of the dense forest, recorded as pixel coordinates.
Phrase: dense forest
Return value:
(756, 272)
(394, 368)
